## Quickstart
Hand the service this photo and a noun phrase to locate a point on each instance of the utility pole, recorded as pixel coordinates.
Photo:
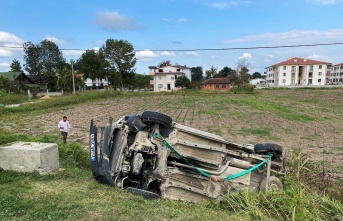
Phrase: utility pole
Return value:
(72, 71)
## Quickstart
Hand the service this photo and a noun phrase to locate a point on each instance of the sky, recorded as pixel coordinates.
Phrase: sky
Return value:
(157, 27)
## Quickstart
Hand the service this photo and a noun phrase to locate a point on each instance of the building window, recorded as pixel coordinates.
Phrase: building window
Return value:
(320, 74)
(284, 74)
(311, 68)
(160, 70)
(175, 76)
(284, 67)
(160, 85)
(172, 78)
(217, 85)
(319, 80)
(310, 74)
(293, 75)
(223, 85)
(178, 69)
(159, 78)
(292, 81)
(293, 68)
(320, 66)
(283, 80)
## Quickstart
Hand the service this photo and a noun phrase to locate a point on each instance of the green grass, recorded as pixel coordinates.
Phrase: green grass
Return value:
(72, 194)
(276, 108)
(10, 98)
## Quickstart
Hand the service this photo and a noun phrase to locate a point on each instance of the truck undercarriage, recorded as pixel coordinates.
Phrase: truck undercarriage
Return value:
(154, 157)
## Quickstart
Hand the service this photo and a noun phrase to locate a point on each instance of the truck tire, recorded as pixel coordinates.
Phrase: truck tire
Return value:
(268, 148)
(274, 184)
(163, 120)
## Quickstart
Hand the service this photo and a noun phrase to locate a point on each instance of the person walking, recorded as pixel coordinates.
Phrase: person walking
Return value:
(64, 126)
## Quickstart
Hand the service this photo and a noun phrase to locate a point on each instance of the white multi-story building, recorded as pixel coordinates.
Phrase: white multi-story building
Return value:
(164, 77)
(336, 75)
(298, 71)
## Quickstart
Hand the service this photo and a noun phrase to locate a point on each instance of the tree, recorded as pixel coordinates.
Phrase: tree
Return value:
(164, 64)
(182, 82)
(225, 72)
(44, 57)
(93, 65)
(256, 75)
(197, 73)
(121, 56)
(15, 66)
(43, 61)
(65, 80)
(212, 73)
(241, 76)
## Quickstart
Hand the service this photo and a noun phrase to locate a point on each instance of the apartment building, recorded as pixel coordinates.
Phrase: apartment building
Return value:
(164, 77)
(336, 75)
(298, 71)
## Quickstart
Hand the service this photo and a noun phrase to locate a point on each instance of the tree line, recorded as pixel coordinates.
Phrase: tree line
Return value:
(114, 61)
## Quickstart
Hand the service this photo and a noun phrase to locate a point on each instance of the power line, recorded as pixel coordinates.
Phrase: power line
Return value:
(204, 49)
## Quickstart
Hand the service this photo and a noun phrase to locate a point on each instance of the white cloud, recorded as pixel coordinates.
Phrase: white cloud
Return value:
(54, 39)
(182, 20)
(4, 64)
(167, 53)
(224, 4)
(9, 38)
(266, 60)
(325, 2)
(146, 55)
(270, 56)
(114, 21)
(192, 53)
(316, 56)
(73, 52)
(245, 56)
(300, 36)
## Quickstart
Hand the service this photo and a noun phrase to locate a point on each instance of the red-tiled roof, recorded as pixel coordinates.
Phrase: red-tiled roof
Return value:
(216, 81)
(338, 64)
(299, 61)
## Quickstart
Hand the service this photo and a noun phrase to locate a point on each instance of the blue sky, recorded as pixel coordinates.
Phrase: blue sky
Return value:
(163, 25)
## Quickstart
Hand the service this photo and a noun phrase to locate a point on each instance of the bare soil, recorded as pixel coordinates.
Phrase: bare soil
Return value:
(223, 114)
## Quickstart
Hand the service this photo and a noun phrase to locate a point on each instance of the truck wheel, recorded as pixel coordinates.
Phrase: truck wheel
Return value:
(274, 184)
(149, 117)
(265, 148)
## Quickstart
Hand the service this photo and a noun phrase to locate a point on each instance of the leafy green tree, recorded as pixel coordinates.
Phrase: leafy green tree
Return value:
(225, 72)
(197, 73)
(212, 73)
(256, 75)
(44, 60)
(93, 65)
(15, 66)
(5, 84)
(65, 80)
(183, 82)
(121, 56)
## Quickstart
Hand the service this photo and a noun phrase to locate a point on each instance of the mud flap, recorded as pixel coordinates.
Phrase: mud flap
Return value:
(100, 167)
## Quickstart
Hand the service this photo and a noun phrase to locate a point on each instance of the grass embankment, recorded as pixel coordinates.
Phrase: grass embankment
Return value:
(72, 193)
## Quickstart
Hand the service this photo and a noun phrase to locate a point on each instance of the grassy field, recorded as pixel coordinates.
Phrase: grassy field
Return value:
(306, 122)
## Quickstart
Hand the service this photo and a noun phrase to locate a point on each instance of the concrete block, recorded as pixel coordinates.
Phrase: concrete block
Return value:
(29, 157)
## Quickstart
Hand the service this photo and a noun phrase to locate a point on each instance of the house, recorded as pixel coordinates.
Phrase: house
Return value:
(164, 76)
(336, 74)
(216, 84)
(20, 79)
(258, 82)
(298, 71)
(96, 83)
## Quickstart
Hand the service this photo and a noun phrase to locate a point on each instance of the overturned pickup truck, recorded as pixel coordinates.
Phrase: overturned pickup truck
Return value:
(152, 156)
